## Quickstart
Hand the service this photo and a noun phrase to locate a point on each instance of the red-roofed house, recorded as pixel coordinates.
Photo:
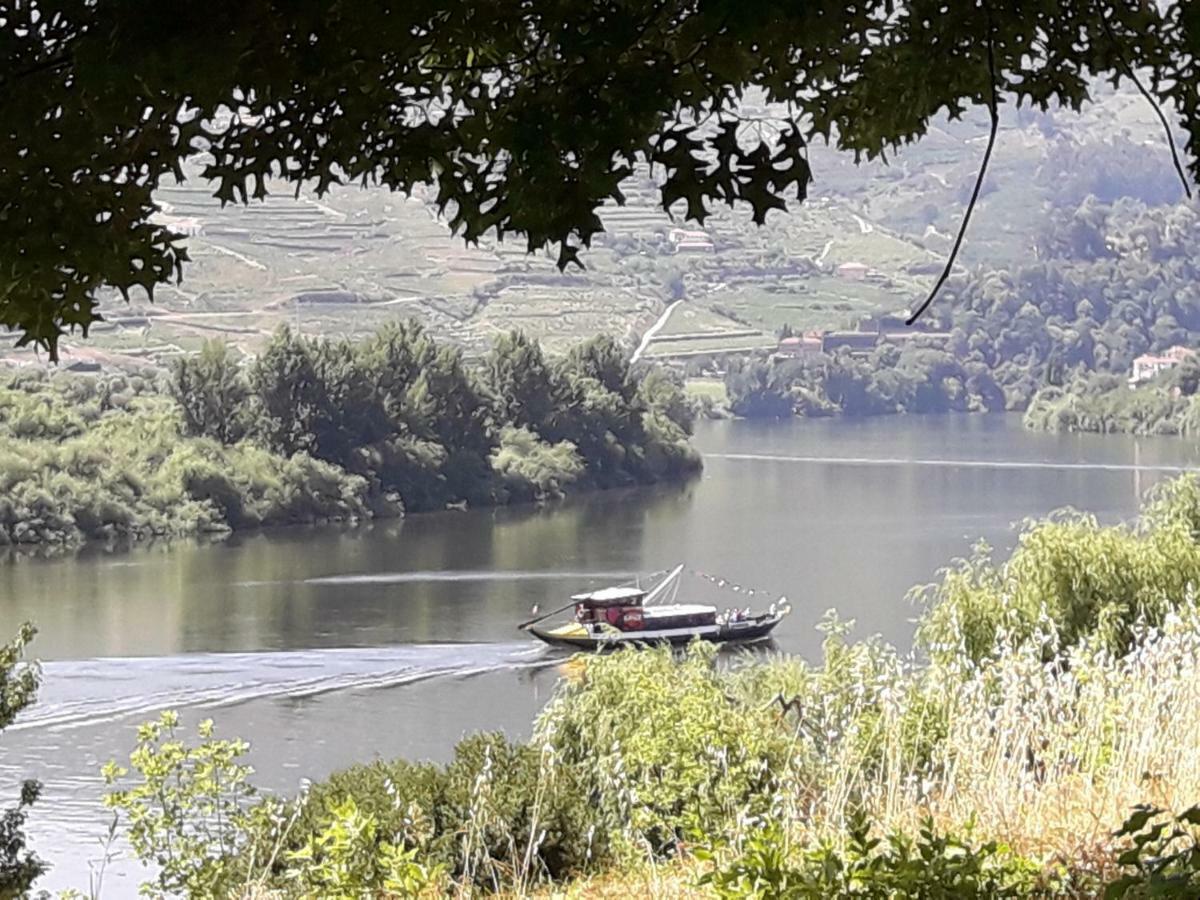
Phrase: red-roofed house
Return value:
(1148, 365)
(798, 346)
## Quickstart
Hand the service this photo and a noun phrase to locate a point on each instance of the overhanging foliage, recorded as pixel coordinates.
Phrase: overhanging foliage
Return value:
(525, 116)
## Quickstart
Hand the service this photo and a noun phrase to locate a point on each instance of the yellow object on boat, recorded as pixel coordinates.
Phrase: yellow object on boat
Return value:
(574, 629)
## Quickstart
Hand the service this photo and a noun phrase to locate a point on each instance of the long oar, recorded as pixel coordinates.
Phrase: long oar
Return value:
(525, 625)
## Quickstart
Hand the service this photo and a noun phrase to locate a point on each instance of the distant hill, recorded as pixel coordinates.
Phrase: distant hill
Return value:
(350, 261)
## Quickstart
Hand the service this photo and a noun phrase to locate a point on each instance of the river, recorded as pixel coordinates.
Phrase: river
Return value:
(327, 646)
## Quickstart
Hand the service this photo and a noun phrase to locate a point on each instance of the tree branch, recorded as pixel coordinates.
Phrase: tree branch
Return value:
(46, 65)
(1132, 76)
(994, 110)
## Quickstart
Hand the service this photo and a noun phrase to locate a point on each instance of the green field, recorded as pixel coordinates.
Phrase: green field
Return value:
(711, 388)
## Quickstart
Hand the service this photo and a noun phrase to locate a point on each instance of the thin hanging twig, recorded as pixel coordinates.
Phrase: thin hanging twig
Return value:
(1132, 76)
(994, 111)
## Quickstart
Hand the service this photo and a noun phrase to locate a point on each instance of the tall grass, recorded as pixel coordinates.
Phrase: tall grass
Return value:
(1047, 756)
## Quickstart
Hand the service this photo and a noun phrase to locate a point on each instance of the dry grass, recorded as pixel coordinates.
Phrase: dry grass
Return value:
(676, 879)
(1048, 758)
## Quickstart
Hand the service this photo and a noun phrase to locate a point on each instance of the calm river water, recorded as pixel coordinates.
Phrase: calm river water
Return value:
(327, 646)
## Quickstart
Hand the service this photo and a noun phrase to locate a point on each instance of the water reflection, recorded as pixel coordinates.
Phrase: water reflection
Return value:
(845, 514)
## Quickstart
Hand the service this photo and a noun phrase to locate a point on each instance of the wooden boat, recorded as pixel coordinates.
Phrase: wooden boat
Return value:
(620, 616)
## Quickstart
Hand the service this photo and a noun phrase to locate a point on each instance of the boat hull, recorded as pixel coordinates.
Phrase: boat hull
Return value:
(579, 639)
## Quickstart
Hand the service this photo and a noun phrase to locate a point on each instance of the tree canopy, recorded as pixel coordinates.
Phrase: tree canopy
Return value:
(524, 117)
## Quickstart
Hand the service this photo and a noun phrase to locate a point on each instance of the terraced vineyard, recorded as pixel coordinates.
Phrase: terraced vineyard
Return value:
(350, 261)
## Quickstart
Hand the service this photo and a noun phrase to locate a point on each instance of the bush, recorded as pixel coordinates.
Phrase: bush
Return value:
(896, 867)
(1087, 578)
(19, 868)
(190, 815)
(533, 469)
(1163, 859)
(661, 748)
(346, 860)
(499, 814)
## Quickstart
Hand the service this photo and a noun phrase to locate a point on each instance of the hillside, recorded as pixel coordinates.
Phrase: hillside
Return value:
(351, 261)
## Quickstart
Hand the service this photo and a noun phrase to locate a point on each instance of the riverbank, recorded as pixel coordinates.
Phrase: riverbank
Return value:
(326, 431)
(1091, 402)
(1165, 405)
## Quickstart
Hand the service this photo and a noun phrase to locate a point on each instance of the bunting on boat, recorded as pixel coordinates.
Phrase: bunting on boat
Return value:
(726, 585)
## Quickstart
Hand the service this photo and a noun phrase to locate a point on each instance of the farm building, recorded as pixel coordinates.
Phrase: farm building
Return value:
(853, 271)
(796, 347)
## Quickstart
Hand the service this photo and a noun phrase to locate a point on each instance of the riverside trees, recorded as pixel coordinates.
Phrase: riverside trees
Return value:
(328, 430)
(414, 419)
(1111, 281)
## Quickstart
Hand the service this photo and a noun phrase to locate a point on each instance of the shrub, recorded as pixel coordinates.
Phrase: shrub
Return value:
(346, 860)
(531, 468)
(1087, 578)
(660, 747)
(19, 868)
(191, 814)
(931, 867)
(499, 814)
(1163, 859)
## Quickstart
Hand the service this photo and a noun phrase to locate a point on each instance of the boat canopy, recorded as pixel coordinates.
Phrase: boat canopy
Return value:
(611, 596)
(678, 609)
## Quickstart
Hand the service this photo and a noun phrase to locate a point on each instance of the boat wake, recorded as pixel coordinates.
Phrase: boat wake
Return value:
(949, 463)
(78, 693)
(451, 575)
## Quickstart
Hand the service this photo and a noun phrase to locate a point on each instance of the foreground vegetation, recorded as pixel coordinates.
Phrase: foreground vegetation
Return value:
(322, 430)
(1038, 743)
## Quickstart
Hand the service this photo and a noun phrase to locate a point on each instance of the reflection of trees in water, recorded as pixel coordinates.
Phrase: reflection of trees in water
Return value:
(854, 537)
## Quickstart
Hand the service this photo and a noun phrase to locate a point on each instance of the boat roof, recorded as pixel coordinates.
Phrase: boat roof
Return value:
(610, 595)
(678, 609)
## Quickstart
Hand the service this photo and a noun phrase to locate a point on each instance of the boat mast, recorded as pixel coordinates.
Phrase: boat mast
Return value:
(661, 587)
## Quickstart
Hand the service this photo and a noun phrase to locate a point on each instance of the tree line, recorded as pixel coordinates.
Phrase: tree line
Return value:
(419, 424)
(1167, 404)
(319, 430)
(1109, 282)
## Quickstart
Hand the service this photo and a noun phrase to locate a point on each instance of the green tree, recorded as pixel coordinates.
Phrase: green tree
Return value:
(289, 393)
(212, 392)
(525, 118)
(447, 400)
(532, 469)
(600, 416)
(19, 867)
(349, 414)
(524, 387)
(393, 358)
(756, 391)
